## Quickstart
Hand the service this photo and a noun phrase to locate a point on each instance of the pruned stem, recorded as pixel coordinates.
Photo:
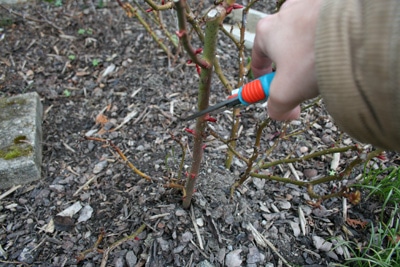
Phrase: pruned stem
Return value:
(213, 20)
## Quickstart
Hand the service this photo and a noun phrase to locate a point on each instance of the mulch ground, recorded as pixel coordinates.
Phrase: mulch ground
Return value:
(100, 74)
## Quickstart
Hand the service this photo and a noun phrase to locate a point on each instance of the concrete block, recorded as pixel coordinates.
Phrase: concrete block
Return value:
(20, 139)
(253, 16)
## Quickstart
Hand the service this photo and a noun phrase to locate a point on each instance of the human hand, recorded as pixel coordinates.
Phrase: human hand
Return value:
(287, 39)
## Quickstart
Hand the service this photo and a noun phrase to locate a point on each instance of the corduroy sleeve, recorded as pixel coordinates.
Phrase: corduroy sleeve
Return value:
(358, 68)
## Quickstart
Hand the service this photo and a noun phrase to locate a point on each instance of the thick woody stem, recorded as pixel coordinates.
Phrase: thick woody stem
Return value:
(213, 20)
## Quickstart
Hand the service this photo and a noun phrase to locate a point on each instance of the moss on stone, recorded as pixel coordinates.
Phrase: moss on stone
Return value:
(19, 148)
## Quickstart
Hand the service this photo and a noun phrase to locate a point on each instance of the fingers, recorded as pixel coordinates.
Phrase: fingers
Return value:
(287, 39)
(261, 64)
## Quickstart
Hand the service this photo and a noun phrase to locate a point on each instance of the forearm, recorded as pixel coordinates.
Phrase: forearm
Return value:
(358, 68)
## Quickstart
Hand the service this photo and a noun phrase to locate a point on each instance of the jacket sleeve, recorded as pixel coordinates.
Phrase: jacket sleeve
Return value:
(358, 68)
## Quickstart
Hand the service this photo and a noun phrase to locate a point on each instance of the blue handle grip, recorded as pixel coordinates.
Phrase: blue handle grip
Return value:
(256, 90)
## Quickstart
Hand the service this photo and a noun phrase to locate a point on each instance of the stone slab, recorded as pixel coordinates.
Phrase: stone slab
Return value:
(20, 139)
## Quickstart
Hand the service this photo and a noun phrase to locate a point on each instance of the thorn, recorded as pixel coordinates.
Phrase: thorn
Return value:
(198, 69)
(237, 6)
(198, 50)
(203, 146)
(191, 131)
(149, 10)
(189, 61)
(382, 156)
(209, 118)
(180, 33)
(234, 6)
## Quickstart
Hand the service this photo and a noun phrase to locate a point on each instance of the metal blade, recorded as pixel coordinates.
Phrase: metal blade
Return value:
(227, 103)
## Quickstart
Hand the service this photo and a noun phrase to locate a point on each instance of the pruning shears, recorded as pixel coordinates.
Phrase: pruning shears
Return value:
(250, 93)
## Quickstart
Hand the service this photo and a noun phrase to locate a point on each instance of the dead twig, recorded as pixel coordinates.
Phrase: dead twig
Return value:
(196, 229)
(121, 154)
(119, 242)
(81, 256)
(262, 241)
(86, 184)
(9, 191)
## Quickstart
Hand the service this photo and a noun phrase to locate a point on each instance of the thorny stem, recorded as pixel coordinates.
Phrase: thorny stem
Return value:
(309, 156)
(309, 184)
(213, 20)
(195, 25)
(183, 35)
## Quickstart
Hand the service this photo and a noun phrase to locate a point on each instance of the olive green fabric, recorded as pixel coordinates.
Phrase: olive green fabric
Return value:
(358, 68)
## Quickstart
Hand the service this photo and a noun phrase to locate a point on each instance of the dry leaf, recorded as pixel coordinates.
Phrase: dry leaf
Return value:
(101, 119)
(354, 223)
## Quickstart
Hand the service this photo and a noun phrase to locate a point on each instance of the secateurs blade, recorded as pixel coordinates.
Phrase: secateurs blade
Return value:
(250, 93)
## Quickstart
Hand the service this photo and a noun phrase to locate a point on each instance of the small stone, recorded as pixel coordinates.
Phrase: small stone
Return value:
(321, 244)
(200, 222)
(180, 212)
(303, 149)
(131, 259)
(310, 173)
(233, 258)
(119, 262)
(326, 139)
(285, 205)
(204, 263)
(57, 188)
(164, 245)
(254, 256)
(100, 166)
(186, 237)
(259, 183)
(28, 254)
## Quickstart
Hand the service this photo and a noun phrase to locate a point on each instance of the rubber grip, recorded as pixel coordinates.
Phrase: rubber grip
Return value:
(256, 90)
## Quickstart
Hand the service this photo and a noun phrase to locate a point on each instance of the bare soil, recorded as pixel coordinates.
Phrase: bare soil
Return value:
(100, 74)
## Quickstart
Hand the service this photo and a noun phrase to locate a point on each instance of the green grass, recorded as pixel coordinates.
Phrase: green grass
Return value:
(383, 246)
